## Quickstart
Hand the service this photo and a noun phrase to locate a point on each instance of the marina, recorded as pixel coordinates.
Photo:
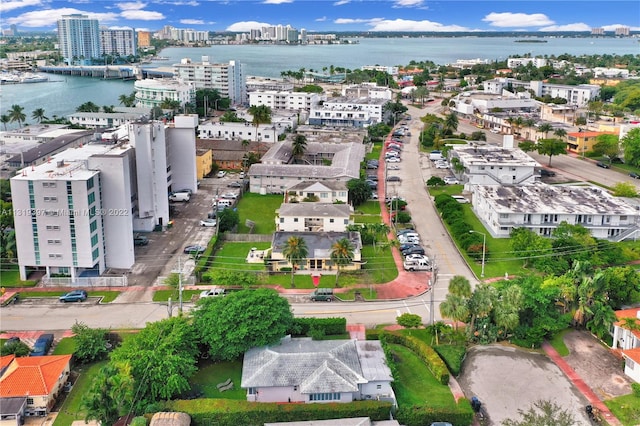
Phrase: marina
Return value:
(22, 78)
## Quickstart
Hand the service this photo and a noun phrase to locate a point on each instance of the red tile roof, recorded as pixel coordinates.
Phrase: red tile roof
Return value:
(6, 360)
(589, 134)
(33, 375)
(633, 354)
(628, 313)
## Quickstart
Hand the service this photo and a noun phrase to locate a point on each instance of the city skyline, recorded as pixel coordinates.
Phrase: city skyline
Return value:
(331, 15)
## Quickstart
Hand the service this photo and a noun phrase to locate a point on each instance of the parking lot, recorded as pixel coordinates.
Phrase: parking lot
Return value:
(164, 252)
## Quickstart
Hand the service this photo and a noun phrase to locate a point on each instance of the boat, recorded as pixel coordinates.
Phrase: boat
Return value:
(33, 78)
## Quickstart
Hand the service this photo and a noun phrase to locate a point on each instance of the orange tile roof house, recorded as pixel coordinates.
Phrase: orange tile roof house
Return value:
(39, 378)
(581, 142)
(626, 336)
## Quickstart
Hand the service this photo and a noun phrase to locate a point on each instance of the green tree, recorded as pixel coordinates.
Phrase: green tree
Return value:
(542, 413)
(551, 147)
(450, 123)
(527, 146)
(607, 145)
(228, 219)
(341, 254)
(172, 104)
(19, 349)
(261, 115)
(545, 128)
(88, 107)
(456, 308)
(38, 115)
(298, 146)
(625, 189)
(460, 286)
(233, 324)
(631, 144)
(359, 191)
(481, 302)
(506, 311)
(162, 357)
(296, 252)
(90, 343)
(111, 394)
(5, 119)
(409, 320)
(127, 100)
(528, 245)
(16, 114)
(560, 133)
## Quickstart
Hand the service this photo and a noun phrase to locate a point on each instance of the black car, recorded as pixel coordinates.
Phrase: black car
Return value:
(235, 185)
(603, 165)
(545, 172)
(394, 179)
(413, 250)
(407, 246)
(42, 345)
(634, 175)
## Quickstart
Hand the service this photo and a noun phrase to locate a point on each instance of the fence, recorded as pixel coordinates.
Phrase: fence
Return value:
(119, 281)
(247, 238)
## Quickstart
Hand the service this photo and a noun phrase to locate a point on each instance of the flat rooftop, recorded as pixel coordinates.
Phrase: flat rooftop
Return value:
(492, 155)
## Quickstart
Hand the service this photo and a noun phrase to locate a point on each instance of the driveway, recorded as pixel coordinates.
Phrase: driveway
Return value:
(508, 379)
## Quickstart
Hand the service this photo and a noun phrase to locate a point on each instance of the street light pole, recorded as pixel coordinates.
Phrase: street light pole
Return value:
(484, 248)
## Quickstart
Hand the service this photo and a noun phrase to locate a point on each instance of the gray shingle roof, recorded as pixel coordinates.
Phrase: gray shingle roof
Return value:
(318, 186)
(314, 210)
(315, 366)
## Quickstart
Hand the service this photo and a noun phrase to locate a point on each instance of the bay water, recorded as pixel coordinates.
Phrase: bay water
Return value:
(63, 94)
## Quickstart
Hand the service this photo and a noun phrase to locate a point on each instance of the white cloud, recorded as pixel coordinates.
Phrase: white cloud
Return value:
(276, 1)
(8, 5)
(515, 20)
(131, 6)
(613, 27)
(341, 2)
(179, 3)
(380, 24)
(192, 21)
(578, 26)
(408, 3)
(142, 15)
(322, 19)
(246, 26)
(49, 17)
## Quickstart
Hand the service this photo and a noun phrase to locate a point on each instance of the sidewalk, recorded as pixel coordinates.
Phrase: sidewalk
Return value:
(580, 385)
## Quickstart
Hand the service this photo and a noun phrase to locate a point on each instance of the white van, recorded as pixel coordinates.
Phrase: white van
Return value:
(223, 203)
(212, 292)
(179, 197)
(435, 156)
(416, 265)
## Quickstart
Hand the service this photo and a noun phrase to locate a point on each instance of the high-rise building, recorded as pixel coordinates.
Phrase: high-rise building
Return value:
(79, 38)
(118, 41)
(622, 31)
(144, 39)
(228, 79)
(597, 31)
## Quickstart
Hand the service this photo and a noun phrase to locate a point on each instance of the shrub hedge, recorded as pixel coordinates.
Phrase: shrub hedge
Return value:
(420, 415)
(425, 352)
(330, 326)
(225, 412)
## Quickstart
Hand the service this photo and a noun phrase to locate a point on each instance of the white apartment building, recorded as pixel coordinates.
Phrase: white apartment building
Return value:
(541, 208)
(521, 62)
(76, 213)
(118, 41)
(499, 85)
(312, 217)
(493, 165)
(610, 72)
(579, 95)
(285, 100)
(392, 70)
(266, 83)
(350, 112)
(152, 92)
(267, 132)
(324, 192)
(367, 90)
(470, 103)
(108, 120)
(228, 79)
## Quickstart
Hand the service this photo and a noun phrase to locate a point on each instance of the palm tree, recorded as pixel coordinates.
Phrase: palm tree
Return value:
(507, 311)
(261, 115)
(456, 308)
(545, 128)
(460, 286)
(516, 124)
(171, 104)
(16, 114)
(298, 146)
(4, 119)
(295, 251)
(560, 133)
(38, 114)
(451, 123)
(482, 301)
(341, 254)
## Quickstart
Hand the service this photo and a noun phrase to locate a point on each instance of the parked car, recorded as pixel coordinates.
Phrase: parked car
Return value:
(177, 197)
(393, 160)
(188, 191)
(221, 174)
(406, 246)
(413, 250)
(234, 185)
(229, 196)
(74, 296)
(195, 249)
(242, 175)
(393, 167)
(416, 256)
(451, 180)
(372, 184)
(406, 232)
(322, 295)
(212, 292)
(634, 175)
(603, 165)
(494, 131)
(208, 222)
(460, 199)
(442, 165)
(372, 166)
(42, 345)
(140, 240)
(547, 173)
(394, 179)
(410, 234)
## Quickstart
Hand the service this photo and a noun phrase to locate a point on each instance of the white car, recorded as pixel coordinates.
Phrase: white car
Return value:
(242, 175)
(494, 131)
(418, 257)
(393, 167)
(221, 174)
(229, 196)
(208, 222)
(393, 160)
(451, 180)
(411, 240)
(442, 165)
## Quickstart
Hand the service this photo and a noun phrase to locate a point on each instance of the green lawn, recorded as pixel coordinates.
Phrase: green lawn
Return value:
(70, 410)
(66, 346)
(261, 209)
(370, 207)
(361, 219)
(626, 408)
(164, 295)
(558, 343)
(416, 384)
(210, 374)
(11, 276)
(380, 266)
(233, 256)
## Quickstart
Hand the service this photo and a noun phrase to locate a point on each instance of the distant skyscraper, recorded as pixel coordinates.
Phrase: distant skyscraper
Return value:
(622, 31)
(79, 38)
(597, 31)
(144, 39)
(14, 30)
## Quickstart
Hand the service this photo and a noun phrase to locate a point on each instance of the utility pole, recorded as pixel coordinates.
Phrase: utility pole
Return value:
(180, 285)
(431, 302)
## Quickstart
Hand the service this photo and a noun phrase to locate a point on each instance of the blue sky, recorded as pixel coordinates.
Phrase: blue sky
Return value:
(331, 15)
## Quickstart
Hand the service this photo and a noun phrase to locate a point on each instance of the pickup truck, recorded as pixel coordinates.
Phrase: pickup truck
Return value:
(416, 265)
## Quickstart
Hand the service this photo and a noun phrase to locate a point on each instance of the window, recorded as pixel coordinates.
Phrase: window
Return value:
(94, 240)
(29, 401)
(327, 396)
(48, 184)
(55, 256)
(93, 226)
(50, 199)
(252, 391)
(295, 220)
(282, 220)
(91, 198)
(54, 242)
(90, 183)
(332, 220)
(95, 253)
(53, 228)
(379, 387)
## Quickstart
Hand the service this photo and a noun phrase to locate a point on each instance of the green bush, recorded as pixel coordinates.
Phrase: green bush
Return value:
(635, 387)
(330, 326)
(423, 351)
(225, 412)
(424, 415)
(452, 355)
